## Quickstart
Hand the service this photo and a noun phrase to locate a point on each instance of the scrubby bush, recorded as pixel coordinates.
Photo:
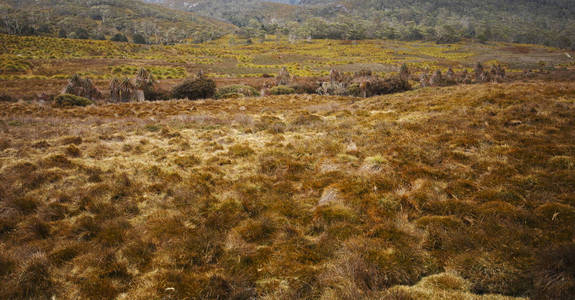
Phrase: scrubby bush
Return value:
(68, 100)
(281, 90)
(156, 95)
(305, 86)
(118, 37)
(378, 86)
(195, 89)
(236, 90)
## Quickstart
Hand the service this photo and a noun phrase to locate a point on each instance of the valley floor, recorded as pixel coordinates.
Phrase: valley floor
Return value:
(438, 193)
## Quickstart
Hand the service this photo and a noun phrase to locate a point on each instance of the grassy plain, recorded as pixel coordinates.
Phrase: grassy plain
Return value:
(31, 65)
(461, 192)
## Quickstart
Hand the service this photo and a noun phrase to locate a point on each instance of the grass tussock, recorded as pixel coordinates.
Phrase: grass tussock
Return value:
(463, 192)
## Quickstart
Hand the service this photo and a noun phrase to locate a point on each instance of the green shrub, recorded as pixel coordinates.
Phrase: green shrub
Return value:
(233, 91)
(281, 90)
(230, 96)
(377, 86)
(67, 100)
(156, 94)
(195, 89)
(305, 86)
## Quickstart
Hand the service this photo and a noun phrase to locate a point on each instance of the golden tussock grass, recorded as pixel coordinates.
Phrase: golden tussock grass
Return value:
(462, 192)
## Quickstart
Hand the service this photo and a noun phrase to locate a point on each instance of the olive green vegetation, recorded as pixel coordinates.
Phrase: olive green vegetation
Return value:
(523, 21)
(236, 90)
(193, 89)
(121, 21)
(68, 100)
(548, 22)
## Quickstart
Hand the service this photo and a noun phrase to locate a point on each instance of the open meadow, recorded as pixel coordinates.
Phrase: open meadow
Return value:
(30, 66)
(453, 187)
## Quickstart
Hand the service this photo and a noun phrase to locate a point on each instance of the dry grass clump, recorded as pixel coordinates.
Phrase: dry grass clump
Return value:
(445, 286)
(555, 273)
(240, 150)
(187, 161)
(31, 279)
(463, 192)
(490, 274)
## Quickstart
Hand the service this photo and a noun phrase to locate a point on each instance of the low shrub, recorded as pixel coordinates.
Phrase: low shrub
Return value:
(281, 90)
(236, 91)
(200, 88)
(305, 86)
(68, 100)
(156, 94)
(378, 86)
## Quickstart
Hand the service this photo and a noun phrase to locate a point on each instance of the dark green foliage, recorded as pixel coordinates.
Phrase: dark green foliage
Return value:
(199, 88)
(118, 37)
(139, 39)
(96, 19)
(67, 100)
(378, 86)
(236, 89)
(82, 34)
(281, 90)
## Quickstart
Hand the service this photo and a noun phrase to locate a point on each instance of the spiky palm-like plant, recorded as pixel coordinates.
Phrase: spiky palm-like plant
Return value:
(82, 87)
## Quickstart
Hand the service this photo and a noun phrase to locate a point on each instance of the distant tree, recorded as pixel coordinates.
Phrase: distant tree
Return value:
(27, 30)
(44, 29)
(82, 34)
(100, 37)
(485, 35)
(447, 34)
(412, 33)
(62, 33)
(564, 42)
(118, 37)
(139, 39)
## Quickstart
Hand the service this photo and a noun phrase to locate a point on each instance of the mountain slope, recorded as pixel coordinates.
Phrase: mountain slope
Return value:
(238, 12)
(549, 22)
(100, 19)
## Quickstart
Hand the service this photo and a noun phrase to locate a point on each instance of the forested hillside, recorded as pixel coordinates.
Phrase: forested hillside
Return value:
(549, 22)
(119, 20)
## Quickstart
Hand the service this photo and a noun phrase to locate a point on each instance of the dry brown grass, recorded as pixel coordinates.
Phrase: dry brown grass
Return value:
(442, 193)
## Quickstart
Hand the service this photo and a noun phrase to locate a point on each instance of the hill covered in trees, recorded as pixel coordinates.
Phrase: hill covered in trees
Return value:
(106, 19)
(525, 21)
(550, 22)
